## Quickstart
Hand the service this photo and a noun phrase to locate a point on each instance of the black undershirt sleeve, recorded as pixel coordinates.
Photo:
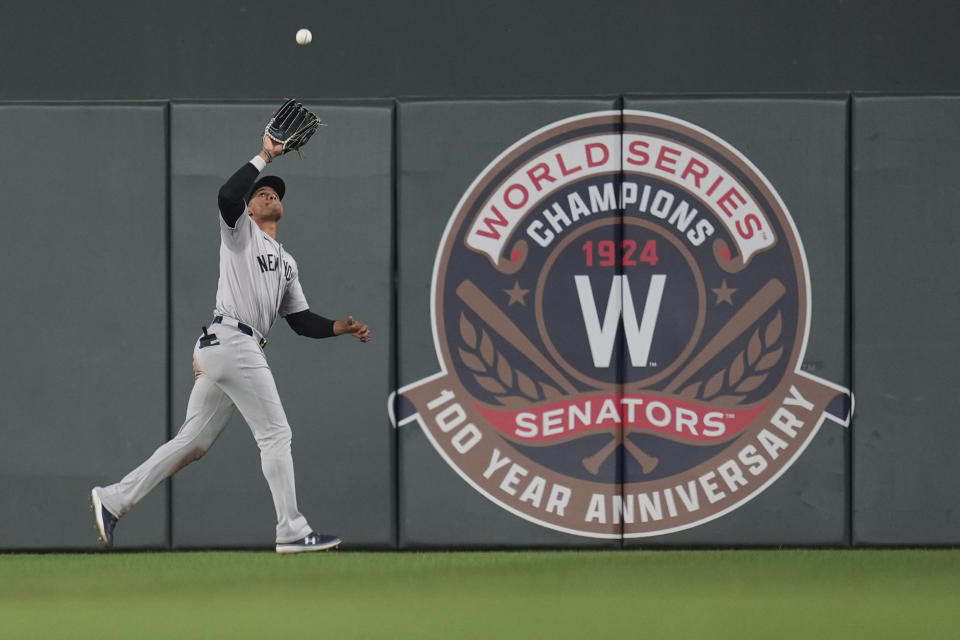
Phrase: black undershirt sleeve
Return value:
(231, 196)
(306, 323)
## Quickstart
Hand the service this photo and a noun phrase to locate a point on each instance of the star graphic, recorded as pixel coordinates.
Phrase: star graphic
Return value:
(724, 293)
(517, 294)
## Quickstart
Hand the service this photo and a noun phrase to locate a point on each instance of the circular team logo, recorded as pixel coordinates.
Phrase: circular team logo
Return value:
(620, 309)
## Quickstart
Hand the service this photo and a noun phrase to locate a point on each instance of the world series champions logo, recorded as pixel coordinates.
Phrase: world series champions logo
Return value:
(620, 310)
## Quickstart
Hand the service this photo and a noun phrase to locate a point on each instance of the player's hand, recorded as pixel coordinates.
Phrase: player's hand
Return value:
(359, 330)
(273, 148)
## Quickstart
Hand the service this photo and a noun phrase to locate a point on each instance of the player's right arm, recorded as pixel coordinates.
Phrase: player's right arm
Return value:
(231, 197)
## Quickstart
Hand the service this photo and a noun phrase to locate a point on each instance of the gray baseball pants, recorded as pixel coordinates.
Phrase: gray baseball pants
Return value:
(232, 375)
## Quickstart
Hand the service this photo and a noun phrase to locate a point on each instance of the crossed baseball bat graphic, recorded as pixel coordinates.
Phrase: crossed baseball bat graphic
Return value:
(739, 323)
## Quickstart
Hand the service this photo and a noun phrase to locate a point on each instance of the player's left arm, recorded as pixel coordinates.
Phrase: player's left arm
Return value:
(296, 310)
(311, 325)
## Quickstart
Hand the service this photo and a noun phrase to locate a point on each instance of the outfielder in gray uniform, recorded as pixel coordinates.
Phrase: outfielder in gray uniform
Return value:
(258, 283)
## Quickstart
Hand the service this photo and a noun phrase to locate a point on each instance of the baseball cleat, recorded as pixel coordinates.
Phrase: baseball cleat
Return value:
(105, 521)
(313, 541)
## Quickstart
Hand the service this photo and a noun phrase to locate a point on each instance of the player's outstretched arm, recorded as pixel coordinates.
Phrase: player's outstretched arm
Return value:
(309, 324)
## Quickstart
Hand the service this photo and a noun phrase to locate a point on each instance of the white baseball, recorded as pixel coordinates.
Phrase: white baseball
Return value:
(304, 37)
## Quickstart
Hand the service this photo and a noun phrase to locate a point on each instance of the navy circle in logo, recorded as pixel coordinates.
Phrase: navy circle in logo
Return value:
(632, 290)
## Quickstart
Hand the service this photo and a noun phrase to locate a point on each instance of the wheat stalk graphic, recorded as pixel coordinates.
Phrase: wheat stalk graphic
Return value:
(748, 369)
(493, 372)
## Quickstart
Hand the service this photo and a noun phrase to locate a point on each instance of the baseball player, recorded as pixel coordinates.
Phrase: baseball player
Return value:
(258, 282)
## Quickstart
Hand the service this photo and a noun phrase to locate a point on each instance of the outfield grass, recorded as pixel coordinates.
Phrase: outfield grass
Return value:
(491, 595)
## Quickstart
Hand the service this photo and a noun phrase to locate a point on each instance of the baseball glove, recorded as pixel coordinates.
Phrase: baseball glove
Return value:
(292, 125)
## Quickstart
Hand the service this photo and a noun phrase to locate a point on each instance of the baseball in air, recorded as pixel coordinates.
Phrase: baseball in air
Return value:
(304, 37)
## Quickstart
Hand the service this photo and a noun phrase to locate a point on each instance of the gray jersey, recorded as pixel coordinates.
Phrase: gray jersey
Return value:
(259, 280)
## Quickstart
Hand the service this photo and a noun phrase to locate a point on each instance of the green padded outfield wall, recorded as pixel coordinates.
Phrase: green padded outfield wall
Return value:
(85, 303)
(110, 377)
(338, 226)
(800, 147)
(442, 148)
(906, 307)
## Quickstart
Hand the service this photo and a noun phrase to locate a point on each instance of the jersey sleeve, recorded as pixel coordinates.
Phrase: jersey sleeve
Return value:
(237, 236)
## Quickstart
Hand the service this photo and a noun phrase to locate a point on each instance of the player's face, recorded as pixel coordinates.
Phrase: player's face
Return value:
(265, 204)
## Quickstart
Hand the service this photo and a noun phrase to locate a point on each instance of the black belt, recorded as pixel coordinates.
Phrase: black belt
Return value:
(243, 328)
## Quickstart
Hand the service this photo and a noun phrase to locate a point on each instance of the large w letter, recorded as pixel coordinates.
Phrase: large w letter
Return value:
(639, 336)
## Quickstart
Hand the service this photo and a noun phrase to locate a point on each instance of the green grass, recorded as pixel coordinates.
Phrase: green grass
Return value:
(490, 595)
